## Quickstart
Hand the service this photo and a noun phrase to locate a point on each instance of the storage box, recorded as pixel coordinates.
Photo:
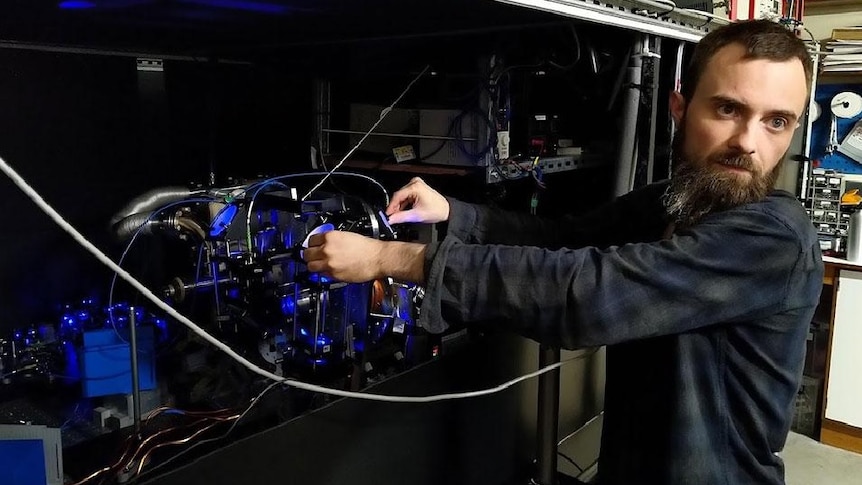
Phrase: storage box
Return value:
(806, 416)
(106, 363)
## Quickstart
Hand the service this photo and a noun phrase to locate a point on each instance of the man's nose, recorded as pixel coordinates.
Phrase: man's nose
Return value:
(744, 137)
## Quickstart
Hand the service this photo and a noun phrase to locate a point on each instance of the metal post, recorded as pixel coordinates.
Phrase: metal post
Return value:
(806, 141)
(322, 115)
(656, 80)
(136, 388)
(628, 137)
(548, 417)
(677, 86)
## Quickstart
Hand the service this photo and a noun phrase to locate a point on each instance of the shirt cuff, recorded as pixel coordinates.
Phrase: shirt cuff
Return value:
(463, 220)
(430, 313)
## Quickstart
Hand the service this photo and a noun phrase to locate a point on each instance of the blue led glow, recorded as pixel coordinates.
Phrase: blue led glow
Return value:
(223, 220)
(303, 332)
(233, 293)
(162, 325)
(266, 239)
(70, 325)
(288, 305)
(318, 278)
(73, 366)
(76, 4)
(261, 7)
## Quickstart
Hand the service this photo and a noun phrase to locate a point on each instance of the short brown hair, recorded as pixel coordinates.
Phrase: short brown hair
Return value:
(764, 39)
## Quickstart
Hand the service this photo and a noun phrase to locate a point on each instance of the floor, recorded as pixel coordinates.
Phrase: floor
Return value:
(809, 462)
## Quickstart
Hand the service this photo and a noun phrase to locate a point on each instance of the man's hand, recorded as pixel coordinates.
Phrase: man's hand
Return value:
(417, 202)
(353, 258)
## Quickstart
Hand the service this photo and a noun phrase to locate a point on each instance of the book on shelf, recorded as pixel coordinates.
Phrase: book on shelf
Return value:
(847, 33)
(852, 67)
(843, 54)
(842, 59)
(844, 48)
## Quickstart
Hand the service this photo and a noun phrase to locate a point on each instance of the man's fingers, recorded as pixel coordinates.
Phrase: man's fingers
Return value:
(313, 253)
(316, 240)
(402, 217)
(317, 266)
(405, 196)
(395, 205)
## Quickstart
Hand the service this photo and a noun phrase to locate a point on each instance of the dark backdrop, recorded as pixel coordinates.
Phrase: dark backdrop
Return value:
(90, 132)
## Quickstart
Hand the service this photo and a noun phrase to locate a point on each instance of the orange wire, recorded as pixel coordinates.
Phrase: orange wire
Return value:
(178, 442)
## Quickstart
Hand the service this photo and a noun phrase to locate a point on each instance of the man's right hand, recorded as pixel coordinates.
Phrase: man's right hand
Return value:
(417, 202)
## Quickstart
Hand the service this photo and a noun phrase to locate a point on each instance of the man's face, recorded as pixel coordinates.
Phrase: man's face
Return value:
(733, 132)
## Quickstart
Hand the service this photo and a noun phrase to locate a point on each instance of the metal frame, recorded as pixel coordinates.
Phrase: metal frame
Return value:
(649, 16)
(652, 18)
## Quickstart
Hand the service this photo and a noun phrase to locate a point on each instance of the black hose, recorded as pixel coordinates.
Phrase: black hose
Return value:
(126, 228)
(150, 201)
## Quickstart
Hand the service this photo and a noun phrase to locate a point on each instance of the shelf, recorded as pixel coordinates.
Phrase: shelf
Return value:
(830, 6)
(411, 168)
(652, 17)
(833, 77)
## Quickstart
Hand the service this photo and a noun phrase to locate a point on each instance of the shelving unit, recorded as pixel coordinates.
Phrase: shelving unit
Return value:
(647, 16)
(829, 6)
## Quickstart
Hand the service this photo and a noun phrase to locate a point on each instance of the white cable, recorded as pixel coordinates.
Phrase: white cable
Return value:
(694, 12)
(78, 237)
(383, 115)
(314, 174)
(250, 210)
(580, 428)
(707, 15)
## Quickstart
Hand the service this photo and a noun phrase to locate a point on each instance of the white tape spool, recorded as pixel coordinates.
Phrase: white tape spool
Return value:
(846, 104)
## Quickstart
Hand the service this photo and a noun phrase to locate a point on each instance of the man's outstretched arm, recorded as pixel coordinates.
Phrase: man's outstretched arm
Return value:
(354, 258)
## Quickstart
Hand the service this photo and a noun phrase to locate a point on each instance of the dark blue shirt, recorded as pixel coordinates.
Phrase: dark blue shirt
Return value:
(705, 328)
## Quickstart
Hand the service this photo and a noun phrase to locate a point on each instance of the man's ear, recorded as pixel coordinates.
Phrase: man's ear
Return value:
(677, 106)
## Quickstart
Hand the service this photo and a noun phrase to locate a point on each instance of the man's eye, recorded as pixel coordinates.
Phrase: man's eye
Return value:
(726, 109)
(778, 123)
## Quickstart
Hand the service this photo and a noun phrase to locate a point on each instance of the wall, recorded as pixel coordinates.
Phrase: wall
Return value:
(821, 25)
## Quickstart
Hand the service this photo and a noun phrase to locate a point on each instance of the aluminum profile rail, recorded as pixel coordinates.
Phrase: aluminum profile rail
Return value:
(656, 17)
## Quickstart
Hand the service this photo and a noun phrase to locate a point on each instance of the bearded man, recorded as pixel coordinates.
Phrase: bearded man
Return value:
(702, 287)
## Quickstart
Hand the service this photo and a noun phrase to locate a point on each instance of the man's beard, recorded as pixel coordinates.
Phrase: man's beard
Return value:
(698, 189)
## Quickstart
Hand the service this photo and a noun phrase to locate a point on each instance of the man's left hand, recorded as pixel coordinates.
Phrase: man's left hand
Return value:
(345, 256)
